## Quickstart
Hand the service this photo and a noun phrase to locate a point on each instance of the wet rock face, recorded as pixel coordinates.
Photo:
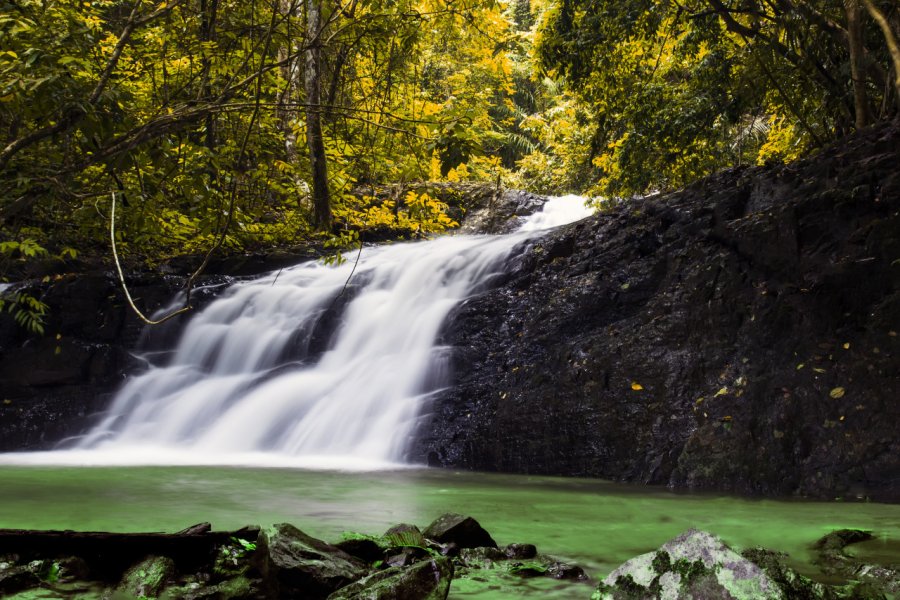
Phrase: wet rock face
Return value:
(51, 386)
(740, 335)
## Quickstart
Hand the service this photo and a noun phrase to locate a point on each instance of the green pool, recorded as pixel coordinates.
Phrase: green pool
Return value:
(595, 524)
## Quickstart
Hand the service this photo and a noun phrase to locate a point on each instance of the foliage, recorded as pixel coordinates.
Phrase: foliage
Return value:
(193, 113)
(27, 311)
(679, 89)
(196, 114)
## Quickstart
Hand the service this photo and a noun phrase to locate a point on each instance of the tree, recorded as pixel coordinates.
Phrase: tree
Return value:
(312, 78)
(683, 88)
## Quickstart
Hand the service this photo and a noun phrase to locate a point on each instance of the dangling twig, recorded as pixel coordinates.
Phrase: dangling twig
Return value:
(112, 237)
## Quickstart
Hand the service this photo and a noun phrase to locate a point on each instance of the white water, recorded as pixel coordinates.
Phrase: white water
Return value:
(243, 386)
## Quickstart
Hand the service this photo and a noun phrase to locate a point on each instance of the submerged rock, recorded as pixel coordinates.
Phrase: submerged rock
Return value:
(481, 558)
(461, 530)
(299, 566)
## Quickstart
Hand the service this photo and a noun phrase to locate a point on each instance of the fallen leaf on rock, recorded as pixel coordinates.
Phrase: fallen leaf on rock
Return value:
(636, 386)
(837, 392)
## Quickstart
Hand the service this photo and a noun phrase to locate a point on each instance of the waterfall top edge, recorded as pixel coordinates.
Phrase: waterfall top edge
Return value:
(156, 456)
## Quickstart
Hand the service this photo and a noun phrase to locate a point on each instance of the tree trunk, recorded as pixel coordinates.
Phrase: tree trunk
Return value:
(312, 83)
(857, 62)
(891, 41)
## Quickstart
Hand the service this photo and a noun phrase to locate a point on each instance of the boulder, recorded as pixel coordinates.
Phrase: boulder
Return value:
(461, 530)
(426, 580)
(295, 565)
(696, 564)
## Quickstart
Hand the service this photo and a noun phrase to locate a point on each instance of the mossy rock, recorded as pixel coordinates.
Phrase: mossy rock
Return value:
(148, 578)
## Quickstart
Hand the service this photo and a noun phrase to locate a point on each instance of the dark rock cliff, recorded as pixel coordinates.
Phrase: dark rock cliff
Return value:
(737, 335)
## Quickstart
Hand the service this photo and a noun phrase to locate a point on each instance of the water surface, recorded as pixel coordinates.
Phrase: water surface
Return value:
(593, 523)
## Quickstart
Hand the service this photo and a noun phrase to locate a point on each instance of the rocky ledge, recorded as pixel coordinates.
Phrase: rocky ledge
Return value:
(739, 335)
(405, 563)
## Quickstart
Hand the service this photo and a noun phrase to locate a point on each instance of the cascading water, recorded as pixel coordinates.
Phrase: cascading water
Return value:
(252, 378)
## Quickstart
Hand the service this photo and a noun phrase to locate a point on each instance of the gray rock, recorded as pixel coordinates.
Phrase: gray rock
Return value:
(696, 564)
(426, 580)
(295, 565)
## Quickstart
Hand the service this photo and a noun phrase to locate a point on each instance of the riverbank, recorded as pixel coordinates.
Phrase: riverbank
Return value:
(405, 562)
(596, 525)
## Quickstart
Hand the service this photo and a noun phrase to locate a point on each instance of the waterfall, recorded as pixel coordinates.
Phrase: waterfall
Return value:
(303, 368)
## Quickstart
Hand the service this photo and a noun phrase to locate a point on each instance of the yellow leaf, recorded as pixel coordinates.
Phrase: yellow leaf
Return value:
(847, 346)
(800, 366)
(818, 370)
(837, 392)
(726, 418)
(636, 386)
(721, 392)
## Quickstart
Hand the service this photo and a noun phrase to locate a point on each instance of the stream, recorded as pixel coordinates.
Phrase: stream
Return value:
(595, 524)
